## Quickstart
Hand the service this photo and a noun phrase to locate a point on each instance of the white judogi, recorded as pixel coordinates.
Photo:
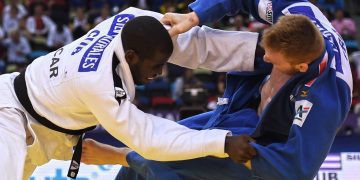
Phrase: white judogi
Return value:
(73, 87)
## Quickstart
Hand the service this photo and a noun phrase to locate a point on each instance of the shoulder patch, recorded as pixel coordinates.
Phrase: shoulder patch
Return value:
(302, 109)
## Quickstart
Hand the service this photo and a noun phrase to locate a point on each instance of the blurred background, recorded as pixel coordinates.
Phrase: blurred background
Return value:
(32, 28)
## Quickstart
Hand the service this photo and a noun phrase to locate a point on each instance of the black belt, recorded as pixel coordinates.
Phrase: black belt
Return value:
(22, 95)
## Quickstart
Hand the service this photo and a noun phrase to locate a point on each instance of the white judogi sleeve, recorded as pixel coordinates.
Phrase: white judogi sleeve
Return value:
(80, 93)
(152, 137)
(214, 49)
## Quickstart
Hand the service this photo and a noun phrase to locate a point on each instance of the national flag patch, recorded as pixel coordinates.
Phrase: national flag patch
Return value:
(302, 108)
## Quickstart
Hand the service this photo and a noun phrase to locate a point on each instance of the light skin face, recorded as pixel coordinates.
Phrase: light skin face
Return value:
(145, 70)
(282, 63)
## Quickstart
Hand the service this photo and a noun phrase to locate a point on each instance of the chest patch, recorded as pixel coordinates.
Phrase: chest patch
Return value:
(302, 108)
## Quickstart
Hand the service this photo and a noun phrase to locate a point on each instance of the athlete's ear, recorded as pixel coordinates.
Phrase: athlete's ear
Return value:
(131, 57)
(302, 67)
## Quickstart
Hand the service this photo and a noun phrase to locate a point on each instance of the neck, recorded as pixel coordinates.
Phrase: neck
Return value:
(278, 76)
(277, 80)
(271, 87)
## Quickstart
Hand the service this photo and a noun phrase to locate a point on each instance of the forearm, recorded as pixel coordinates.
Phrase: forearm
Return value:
(94, 152)
(121, 156)
(164, 140)
(156, 138)
(216, 50)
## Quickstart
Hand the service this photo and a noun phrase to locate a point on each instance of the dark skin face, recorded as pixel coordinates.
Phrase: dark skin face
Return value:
(145, 70)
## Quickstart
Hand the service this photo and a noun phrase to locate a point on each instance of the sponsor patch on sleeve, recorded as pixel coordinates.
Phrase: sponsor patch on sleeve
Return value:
(302, 109)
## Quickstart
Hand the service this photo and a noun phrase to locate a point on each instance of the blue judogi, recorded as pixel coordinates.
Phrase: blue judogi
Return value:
(239, 116)
(296, 129)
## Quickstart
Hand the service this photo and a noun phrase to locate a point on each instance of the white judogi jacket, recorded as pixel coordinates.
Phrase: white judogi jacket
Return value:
(73, 87)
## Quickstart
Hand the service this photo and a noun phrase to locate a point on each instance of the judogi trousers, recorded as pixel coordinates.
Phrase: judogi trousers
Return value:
(12, 143)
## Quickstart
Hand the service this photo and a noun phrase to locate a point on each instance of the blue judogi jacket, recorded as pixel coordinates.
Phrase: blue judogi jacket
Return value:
(291, 139)
(296, 129)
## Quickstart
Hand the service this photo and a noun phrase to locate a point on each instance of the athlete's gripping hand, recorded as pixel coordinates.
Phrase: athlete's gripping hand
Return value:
(239, 148)
(180, 23)
(94, 152)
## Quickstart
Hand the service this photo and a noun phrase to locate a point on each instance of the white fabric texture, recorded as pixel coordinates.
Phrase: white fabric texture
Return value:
(12, 144)
(75, 90)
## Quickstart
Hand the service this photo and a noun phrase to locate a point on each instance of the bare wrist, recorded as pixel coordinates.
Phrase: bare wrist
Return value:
(122, 153)
(227, 142)
(194, 19)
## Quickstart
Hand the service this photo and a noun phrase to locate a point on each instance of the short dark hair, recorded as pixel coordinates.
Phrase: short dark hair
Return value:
(146, 35)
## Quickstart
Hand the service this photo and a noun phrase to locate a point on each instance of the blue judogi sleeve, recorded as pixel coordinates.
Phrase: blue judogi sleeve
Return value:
(265, 11)
(209, 11)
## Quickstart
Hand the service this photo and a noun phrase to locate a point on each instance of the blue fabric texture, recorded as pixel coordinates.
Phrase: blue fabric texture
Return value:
(296, 129)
